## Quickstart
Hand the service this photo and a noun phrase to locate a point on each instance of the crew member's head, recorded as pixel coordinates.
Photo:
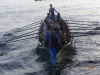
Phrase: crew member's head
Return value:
(51, 5)
(55, 29)
(46, 22)
(58, 14)
(49, 27)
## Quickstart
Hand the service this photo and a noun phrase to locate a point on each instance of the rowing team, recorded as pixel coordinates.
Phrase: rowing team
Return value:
(55, 31)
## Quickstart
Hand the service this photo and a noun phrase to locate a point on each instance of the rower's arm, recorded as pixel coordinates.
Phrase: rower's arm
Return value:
(41, 36)
(50, 39)
(56, 11)
(52, 21)
(59, 41)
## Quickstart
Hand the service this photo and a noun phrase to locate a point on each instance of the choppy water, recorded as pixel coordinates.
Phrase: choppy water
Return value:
(25, 58)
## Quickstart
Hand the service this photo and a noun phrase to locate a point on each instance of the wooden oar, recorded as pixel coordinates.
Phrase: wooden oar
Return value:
(18, 37)
(83, 21)
(82, 24)
(27, 29)
(29, 32)
(30, 26)
(18, 40)
(80, 29)
(38, 22)
(23, 35)
(84, 35)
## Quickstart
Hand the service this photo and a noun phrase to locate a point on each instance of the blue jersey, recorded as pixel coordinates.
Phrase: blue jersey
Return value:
(45, 27)
(50, 21)
(46, 36)
(51, 10)
(56, 18)
(54, 41)
(56, 25)
(47, 17)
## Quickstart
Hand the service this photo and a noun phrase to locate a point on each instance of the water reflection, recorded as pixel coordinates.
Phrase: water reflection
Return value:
(66, 59)
(44, 57)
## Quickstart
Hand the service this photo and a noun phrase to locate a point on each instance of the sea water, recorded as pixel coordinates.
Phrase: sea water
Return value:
(25, 58)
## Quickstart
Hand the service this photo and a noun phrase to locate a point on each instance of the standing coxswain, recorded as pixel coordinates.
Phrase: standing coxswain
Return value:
(51, 11)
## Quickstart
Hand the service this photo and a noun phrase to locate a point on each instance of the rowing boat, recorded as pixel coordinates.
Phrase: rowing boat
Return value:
(55, 52)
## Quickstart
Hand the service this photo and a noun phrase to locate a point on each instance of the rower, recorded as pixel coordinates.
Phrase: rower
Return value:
(50, 21)
(67, 34)
(56, 24)
(51, 11)
(55, 38)
(48, 16)
(46, 23)
(62, 39)
(46, 34)
(57, 18)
